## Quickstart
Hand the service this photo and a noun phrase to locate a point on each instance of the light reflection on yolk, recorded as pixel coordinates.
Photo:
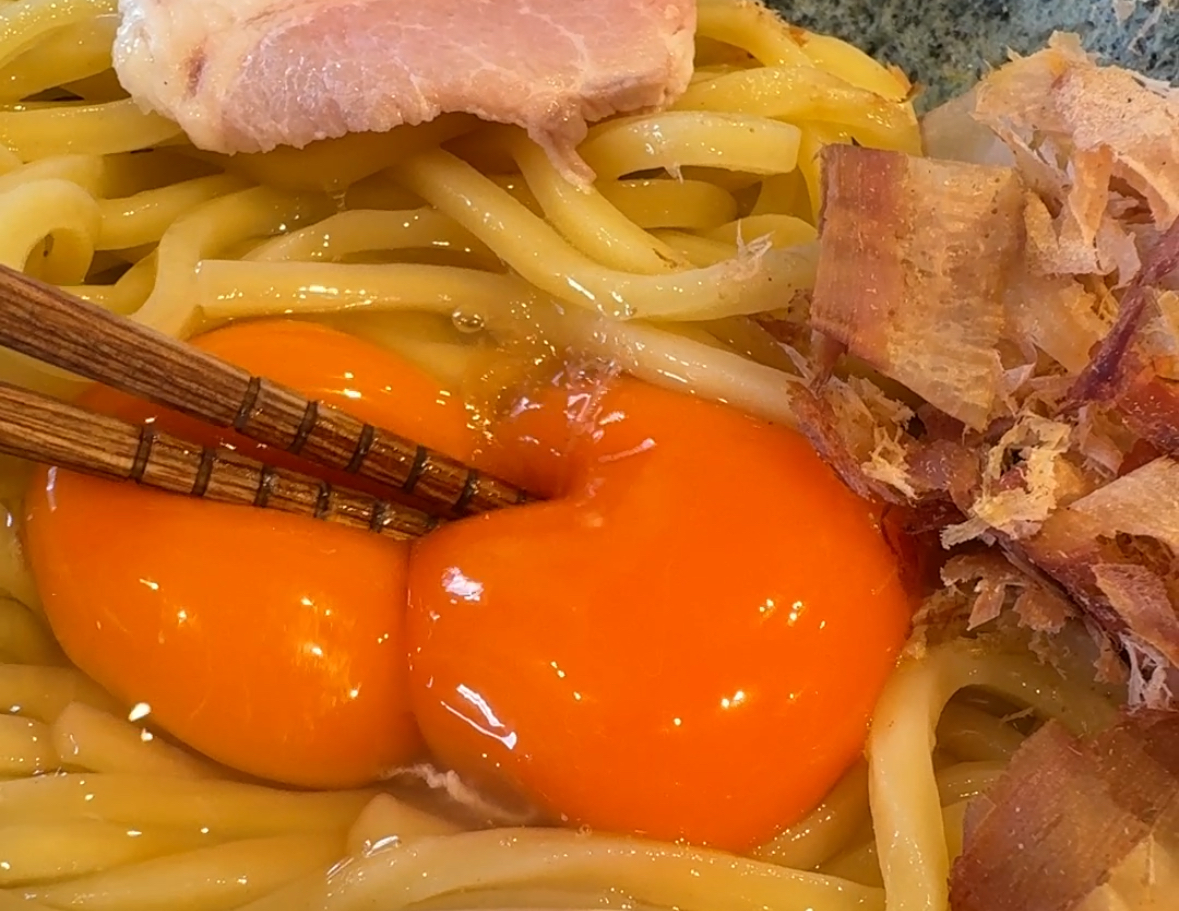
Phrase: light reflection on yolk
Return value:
(686, 641)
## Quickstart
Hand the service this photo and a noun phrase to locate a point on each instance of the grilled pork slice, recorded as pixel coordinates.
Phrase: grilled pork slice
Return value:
(250, 75)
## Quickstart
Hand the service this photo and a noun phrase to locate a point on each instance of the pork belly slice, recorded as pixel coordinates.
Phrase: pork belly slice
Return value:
(912, 270)
(1078, 824)
(250, 75)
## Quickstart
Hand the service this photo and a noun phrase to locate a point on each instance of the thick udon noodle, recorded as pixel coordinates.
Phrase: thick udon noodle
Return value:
(431, 240)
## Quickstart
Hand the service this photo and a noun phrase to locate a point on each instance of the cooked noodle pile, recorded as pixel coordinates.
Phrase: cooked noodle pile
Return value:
(437, 241)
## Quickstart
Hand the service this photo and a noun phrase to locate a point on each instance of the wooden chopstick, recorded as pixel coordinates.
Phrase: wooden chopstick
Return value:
(43, 429)
(53, 326)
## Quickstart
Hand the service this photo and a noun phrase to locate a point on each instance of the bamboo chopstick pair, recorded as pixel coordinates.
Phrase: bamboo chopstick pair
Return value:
(52, 326)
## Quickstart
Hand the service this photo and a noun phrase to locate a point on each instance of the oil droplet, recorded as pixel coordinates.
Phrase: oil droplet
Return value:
(468, 322)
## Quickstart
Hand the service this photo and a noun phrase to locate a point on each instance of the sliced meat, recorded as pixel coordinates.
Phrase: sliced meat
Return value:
(912, 267)
(1077, 825)
(249, 75)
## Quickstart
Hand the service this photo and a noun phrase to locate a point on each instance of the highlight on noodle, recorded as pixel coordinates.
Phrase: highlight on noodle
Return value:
(523, 314)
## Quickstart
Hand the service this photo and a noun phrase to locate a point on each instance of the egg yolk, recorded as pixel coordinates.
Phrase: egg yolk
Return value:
(272, 643)
(686, 641)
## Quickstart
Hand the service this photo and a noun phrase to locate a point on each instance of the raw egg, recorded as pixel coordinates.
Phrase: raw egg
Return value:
(686, 643)
(272, 643)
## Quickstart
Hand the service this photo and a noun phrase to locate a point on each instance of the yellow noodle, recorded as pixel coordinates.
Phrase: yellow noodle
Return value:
(401, 332)
(705, 71)
(690, 205)
(229, 288)
(966, 779)
(68, 54)
(105, 261)
(24, 640)
(953, 817)
(387, 820)
(227, 809)
(100, 87)
(10, 902)
(750, 26)
(90, 129)
(731, 181)
(850, 63)
(333, 165)
(814, 137)
(33, 853)
(26, 746)
(517, 187)
(858, 865)
(381, 192)
(662, 874)
(89, 738)
(16, 580)
(549, 899)
(207, 230)
(782, 230)
(361, 230)
(399, 326)
(128, 173)
(904, 795)
(32, 212)
(700, 252)
(144, 217)
(784, 194)
(748, 337)
(43, 693)
(19, 370)
(810, 94)
(659, 357)
(587, 219)
(125, 256)
(8, 161)
(537, 253)
(717, 55)
(677, 139)
(972, 734)
(481, 150)
(14, 480)
(219, 877)
(22, 24)
(127, 294)
(87, 171)
(826, 829)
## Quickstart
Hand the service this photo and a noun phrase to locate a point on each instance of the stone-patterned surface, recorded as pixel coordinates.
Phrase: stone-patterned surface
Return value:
(944, 44)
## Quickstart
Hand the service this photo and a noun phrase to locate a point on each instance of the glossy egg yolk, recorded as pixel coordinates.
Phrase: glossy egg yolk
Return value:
(272, 643)
(686, 641)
